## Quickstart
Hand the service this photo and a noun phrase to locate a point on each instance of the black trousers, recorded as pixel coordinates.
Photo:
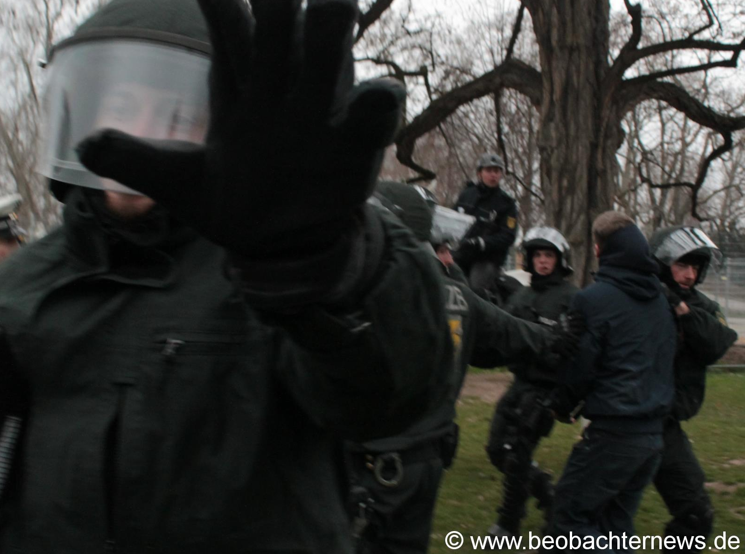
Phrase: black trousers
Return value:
(518, 425)
(602, 484)
(399, 518)
(680, 481)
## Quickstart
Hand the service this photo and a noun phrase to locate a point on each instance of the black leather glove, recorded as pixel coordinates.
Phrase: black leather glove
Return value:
(294, 147)
(568, 331)
(468, 248)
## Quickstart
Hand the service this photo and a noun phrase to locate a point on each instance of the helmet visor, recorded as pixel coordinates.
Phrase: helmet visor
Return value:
(549, 235)
(142, 88)
(685, 241)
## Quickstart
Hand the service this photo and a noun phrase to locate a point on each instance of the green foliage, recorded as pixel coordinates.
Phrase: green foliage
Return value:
(472, 489)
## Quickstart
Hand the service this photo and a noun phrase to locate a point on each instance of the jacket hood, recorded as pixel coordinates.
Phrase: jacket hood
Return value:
(140, 248)
(626, 263)
(627, 248)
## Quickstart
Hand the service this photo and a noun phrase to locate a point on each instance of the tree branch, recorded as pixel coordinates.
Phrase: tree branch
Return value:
(516, 27)
(631, 53)
(633, 92)
(732, 62)
(513, 74)
(371, 16)
(703, 170)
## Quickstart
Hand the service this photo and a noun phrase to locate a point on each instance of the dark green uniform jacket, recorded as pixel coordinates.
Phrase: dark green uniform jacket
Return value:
(484, 336)
(542, 303)
(166, 416)
(496, 221)
(704, 338)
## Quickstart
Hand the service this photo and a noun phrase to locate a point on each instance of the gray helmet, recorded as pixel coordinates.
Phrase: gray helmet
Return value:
(410, 203)
(135, 65)
(676, 243)
(546, 237)
(490, 160)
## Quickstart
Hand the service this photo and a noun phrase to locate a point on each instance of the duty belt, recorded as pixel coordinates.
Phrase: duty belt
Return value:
(378, 462)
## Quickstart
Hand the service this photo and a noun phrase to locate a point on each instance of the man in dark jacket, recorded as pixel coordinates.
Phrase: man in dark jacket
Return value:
(623, 374)
(484, 249)
(395, 480)
(521, 418)
(167, 409)
(685, 254)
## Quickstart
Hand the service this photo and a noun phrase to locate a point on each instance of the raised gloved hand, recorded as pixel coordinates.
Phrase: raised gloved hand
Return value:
(293, 148)
(568, 331)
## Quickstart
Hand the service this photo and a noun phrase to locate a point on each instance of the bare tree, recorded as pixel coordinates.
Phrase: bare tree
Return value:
(29, 30)
(583, 88)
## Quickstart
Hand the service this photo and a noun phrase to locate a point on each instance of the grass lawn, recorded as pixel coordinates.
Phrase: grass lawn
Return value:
(472, 487)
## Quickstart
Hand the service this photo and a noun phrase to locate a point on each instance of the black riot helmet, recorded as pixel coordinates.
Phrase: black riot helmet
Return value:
(546, 238)
(684, 244)
(410, 203)
(139, 66)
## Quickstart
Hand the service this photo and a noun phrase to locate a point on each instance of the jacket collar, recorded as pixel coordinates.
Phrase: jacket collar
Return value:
(137, 253)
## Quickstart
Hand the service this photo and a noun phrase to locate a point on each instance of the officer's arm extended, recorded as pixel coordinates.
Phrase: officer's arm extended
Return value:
(293, 151)
(576, 376)
(500, 338)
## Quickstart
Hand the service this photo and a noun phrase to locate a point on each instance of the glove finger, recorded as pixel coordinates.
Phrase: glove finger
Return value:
(375, 113)
(170, 172)
(275, 39)
(328, 67)
(231, 34)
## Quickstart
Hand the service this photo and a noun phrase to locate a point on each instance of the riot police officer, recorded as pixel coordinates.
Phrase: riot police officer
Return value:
(685, 255)
(395, 480)
(483, 250)
(520, 419)
(193, 355)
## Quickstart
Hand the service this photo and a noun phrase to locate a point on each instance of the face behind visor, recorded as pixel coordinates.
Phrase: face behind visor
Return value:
(546, 238)
(136, 83)
(670, 245)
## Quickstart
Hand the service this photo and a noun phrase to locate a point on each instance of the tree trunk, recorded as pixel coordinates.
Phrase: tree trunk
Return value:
(579, 135)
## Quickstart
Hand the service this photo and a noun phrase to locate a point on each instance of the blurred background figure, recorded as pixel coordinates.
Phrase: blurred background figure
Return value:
(11, 234)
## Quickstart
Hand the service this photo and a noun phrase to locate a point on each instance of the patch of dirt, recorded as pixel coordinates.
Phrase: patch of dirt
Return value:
(722, 488)
(738, 512)
(735, 355)
(488, 387)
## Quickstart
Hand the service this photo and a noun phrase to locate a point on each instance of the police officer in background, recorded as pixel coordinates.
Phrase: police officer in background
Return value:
(484, 249)
(685, 254)
(395, 480)
(520, 419)
(11, 234)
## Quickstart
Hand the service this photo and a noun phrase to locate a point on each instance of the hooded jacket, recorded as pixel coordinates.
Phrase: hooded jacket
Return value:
(624, 369)
(165, 415)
